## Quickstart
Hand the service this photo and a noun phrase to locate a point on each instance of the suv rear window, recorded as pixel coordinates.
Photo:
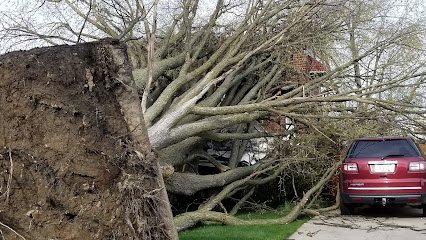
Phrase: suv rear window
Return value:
(383, 148)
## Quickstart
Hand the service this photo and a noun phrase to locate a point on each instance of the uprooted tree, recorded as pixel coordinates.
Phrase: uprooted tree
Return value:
(219, 72)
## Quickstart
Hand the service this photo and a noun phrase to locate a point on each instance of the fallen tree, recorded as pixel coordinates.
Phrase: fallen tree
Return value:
(220, 73)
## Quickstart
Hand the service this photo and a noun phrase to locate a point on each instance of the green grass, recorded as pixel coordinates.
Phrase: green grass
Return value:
(250, 232)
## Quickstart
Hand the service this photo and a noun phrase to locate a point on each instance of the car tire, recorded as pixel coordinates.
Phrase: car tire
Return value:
(424, 210)
(347, 208)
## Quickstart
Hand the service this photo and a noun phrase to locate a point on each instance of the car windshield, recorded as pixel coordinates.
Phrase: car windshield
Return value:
(383, 148)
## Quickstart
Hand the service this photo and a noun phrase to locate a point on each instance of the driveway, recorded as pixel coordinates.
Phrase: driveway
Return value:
(391, 223)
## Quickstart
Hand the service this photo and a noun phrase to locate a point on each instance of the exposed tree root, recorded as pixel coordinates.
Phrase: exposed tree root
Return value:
(9, 180)
(12, 230)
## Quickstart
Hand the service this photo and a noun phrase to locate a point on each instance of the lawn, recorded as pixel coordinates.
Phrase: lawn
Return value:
(252, 232)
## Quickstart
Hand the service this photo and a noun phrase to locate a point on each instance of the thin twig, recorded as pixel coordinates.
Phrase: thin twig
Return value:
(150, 57)
(223, 207)
(294, 186)
(11, 229)
(9, 181)
(85, 21)
(242, 201)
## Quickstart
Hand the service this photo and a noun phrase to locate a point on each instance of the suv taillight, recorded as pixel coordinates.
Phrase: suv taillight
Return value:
(350, 167)
(417, 166)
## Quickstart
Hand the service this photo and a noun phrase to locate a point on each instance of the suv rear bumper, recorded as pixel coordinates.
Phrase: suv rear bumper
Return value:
(390, 198)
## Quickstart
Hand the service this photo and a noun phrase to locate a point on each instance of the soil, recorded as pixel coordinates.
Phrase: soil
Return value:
(63, 147)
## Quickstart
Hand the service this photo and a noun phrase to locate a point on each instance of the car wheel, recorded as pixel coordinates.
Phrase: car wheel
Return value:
(346, 208)
(424, 210)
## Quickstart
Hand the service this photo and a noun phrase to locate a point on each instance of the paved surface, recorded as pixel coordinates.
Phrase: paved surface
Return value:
(390, 223)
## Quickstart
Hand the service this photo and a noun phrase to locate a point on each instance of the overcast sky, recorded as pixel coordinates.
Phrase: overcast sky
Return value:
(207, 6)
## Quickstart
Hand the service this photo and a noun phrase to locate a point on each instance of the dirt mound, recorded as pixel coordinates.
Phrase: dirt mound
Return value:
(64, 147)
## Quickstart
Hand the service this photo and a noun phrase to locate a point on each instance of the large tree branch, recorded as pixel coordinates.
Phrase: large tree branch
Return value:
(160, 131)
(217, 136)
(189, 183)
(177, 154)
(216, 122)
(160, 67)
(268, 105)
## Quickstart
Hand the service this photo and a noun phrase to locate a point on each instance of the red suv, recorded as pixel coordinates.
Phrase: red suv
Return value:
(383, 170)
